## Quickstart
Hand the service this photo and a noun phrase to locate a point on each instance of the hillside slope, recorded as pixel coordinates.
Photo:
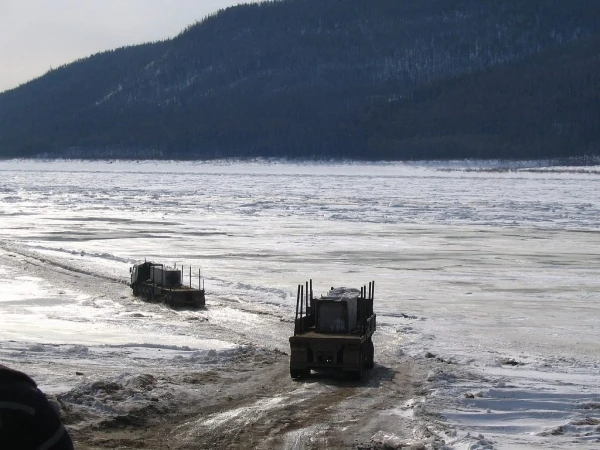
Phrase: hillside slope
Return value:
(545, 107)
(290, 78)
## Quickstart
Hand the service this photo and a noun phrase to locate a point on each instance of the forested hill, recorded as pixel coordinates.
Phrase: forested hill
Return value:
(364, 79)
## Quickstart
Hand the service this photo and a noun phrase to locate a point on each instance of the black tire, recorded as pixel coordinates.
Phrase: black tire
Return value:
(370, 363)
(358, 375)
(299, 373)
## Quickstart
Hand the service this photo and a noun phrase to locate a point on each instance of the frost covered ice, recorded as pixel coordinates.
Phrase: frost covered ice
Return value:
(487, 289)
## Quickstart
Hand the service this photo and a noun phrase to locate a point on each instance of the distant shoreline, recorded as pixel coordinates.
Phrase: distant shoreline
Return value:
(585, 164)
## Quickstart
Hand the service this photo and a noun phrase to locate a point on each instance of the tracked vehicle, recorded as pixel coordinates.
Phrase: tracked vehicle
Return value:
(155, 282)
(333, 332)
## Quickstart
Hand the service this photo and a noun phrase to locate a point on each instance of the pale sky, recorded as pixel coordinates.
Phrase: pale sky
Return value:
(36, 35)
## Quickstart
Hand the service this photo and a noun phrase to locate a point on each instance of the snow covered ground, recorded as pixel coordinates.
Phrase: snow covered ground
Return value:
(491, 277)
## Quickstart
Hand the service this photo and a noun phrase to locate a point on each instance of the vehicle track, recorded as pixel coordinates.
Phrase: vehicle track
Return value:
(247, 402)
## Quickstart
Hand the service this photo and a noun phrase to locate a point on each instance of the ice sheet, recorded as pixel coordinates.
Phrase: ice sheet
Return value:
(491, 273)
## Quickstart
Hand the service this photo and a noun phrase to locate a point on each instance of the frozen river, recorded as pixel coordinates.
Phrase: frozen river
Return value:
(495, 273)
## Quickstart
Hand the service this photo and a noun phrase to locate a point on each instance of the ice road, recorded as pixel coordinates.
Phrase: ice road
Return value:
(487, 297)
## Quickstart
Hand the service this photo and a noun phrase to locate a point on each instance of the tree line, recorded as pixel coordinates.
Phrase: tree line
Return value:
(354, 79)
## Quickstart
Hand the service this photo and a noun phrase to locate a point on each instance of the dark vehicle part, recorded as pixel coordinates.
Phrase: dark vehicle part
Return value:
(155, 282)
(334, 331)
